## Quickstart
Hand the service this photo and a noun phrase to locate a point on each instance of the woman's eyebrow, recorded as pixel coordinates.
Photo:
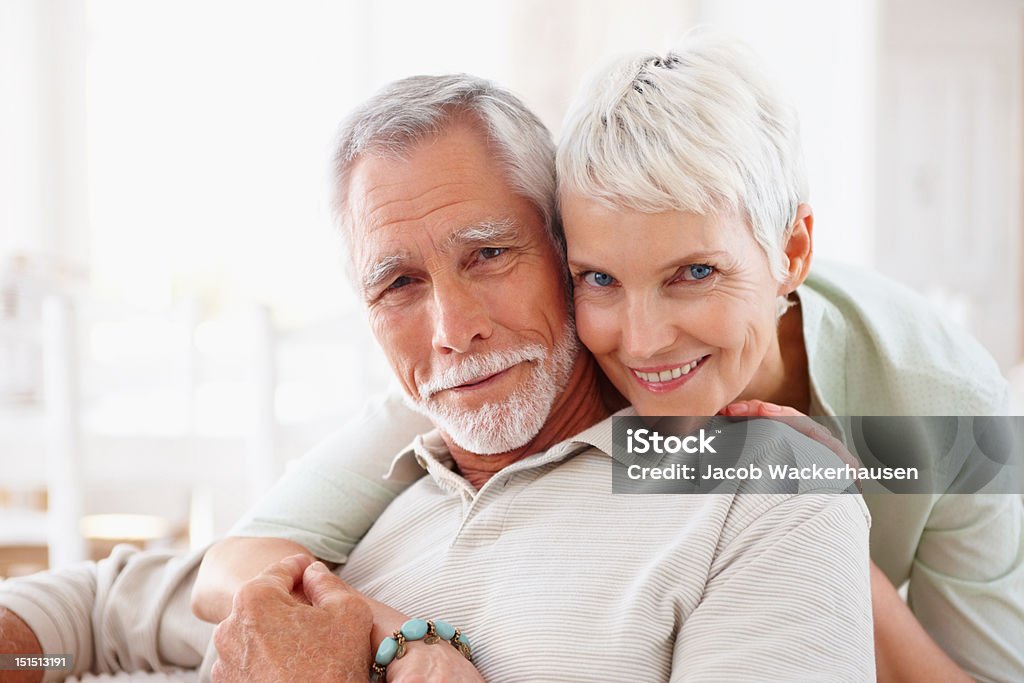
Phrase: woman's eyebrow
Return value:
(581, 265)
(674, 262)
(697, 257)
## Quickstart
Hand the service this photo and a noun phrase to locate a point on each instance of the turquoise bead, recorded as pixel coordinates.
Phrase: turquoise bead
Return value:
(464, 640)
(414, 629)
(386, 652)
(445, 631)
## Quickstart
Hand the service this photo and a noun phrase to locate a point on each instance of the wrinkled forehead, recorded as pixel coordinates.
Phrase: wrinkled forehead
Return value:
(435, 204)
(453, 168)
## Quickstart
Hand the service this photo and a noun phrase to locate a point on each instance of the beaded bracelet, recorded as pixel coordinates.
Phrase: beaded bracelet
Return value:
(393, 647)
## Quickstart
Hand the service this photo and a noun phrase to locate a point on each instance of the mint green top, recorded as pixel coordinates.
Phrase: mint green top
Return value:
(876, 348)
(873, 348)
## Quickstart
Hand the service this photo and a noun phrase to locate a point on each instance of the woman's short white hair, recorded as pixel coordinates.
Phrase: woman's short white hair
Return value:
(698, 129)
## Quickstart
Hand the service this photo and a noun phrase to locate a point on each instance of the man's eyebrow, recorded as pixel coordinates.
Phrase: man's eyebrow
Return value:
(383, 270)
(487, 232)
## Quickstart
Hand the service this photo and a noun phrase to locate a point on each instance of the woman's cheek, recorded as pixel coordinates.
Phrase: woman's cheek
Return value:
(596, 325)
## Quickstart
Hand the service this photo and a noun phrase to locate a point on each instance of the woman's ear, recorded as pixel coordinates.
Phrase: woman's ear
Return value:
(798, 249)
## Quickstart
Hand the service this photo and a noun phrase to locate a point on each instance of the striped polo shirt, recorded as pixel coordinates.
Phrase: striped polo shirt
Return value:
(555, 578)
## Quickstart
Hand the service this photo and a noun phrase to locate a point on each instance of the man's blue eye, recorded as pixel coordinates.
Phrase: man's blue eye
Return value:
(598, 279)
(699, 271)
(400, 282)
(488, 253)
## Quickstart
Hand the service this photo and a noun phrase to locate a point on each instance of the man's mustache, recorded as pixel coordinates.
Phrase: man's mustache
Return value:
(479, 367)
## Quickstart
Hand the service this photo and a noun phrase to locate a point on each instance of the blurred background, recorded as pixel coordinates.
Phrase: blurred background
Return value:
(174, 323)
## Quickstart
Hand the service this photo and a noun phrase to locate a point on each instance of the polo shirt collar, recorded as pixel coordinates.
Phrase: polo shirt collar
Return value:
(428, 452)
(599, 436)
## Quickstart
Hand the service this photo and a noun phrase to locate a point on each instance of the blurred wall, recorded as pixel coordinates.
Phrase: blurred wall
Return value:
(168, 161)
(43, 178)
(951, 123)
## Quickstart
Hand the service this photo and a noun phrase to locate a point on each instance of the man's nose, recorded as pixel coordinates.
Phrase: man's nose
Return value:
(649, 328)
(460, 318)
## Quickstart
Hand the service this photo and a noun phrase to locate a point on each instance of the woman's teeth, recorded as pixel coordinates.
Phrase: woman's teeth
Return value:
(667, 375)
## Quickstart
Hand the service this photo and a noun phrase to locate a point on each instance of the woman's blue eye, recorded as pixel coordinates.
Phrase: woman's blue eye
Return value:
(598, 279)
(698, 271)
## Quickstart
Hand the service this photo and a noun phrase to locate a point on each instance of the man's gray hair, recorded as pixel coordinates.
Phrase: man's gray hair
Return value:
(409, 110)
(699, 129)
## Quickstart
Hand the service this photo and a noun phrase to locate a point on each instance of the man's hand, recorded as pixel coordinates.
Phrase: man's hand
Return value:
(272, 635)
(16, 638)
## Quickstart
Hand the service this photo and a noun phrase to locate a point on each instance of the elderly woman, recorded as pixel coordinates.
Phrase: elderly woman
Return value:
(692, 159)
(689, 242)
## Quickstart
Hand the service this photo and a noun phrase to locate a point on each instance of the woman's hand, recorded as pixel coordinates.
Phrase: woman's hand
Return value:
(790, 416)
(422, 663)
(437, 663)
(796, 420)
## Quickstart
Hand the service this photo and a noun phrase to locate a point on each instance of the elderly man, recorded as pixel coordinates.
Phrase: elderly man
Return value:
(446, 199)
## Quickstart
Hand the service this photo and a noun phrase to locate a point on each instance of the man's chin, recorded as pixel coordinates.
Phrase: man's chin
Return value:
(490, 434)
(490, 430)
(484, 449)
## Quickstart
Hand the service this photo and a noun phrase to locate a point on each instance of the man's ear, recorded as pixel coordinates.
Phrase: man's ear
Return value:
(798, 248)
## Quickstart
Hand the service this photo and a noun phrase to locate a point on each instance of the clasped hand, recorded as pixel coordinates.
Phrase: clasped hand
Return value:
(298, 621)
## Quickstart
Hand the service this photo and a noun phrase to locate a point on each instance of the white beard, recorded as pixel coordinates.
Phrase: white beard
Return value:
(512, 422)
